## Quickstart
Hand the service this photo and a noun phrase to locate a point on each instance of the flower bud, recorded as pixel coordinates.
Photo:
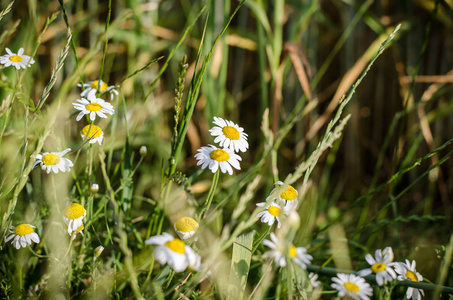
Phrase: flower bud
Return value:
(143, 150)
(94, 188)
(98, 251)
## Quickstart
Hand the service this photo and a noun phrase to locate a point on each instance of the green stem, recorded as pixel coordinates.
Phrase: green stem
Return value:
(215, 180)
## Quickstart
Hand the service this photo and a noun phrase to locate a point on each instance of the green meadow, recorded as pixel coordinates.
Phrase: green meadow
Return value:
(224, 149)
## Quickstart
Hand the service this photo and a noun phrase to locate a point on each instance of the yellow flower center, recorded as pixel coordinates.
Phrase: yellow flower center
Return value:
(231, 132)
(95, 131)
(94, 106)
(411, 275)
(289, 194)
(74, 211)
(79, 229)
(50, 159)
(176, 245)
(274, 210)
(219, 155)
(352, 287)
(102, 87)
(186, 224)
(15, 58)
(379, 267)
(23, 229)
(292, 251)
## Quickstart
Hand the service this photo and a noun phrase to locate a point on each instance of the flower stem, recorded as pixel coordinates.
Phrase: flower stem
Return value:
(215, 180)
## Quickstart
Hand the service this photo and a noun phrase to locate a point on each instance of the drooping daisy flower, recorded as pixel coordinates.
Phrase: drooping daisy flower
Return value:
(352, 286)
(23, 235)
(271, 213)
(174, 252)
(54, 161)
(229, 135)
(93, 106)
(381, 265)
(215, 158)
(94, 133)
(288, 197)
(73, 217)
(280, 251)
(18, 60)
(98, 85)
(186, 227)
(314, 280)
(407, 272)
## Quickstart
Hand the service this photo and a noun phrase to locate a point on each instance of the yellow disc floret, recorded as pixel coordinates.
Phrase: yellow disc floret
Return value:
(274, 210)
(231, 132)
(50, 159)
(23, 229)
(74, 211)
(411, 275)
(95, 131)
(289, 194)
(15, 58)
(352, 287)
(292, 251)
(186, 224)
(79, 229)
(176, 245)
(102, 87)
(219, 155)
(379, 267)
(93, 106)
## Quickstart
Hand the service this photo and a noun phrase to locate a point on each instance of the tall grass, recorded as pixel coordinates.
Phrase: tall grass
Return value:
(337, 99)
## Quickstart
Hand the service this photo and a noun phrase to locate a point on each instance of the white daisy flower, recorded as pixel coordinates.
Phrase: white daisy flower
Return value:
(98, 85)
(18, 60)
(215, 158)
(93, 106)
(271, 213)
(94, 133)
(288, 197)
(352, 286)
(280, 251)
(174, 252)
(381, 265)
(407, 272)
(73, 217)
(229, 135)
(54, 161)
(314, 280)
(186, 227)
(23, 235)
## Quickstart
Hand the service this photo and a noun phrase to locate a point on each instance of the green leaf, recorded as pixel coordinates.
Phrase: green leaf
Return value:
(240, 265)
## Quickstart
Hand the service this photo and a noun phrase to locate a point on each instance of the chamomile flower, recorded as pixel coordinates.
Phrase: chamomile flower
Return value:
(93, 106)
(229, 135)
(18, 60)
(54, 161)
(271, 213)
(381, 265)
(186, 227)
(280, 252)
(73, 217)
(314, 280)
(94, 133)
(174, 252)
(407, 272)
(218, 158)
(23, 235)
(352, 286)
(288, 197)
(98, 85)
